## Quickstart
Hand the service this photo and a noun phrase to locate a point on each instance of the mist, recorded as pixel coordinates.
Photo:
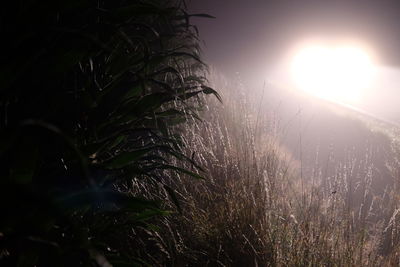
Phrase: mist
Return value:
(200, 133)
(256, 37)
(327, 128)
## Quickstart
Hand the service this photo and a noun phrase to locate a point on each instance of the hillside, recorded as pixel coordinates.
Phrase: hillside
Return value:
(271, 198)
(325, 136)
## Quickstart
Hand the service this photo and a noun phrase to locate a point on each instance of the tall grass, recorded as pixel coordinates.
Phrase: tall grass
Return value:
(255, 208)
(104, 154)
(90, 96)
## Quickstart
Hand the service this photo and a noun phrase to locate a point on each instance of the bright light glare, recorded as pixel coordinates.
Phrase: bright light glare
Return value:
(337, 74)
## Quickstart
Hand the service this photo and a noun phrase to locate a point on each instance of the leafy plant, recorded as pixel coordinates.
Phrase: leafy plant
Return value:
(92, 96)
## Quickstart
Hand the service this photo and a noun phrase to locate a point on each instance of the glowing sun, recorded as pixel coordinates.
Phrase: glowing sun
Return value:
(333, 73)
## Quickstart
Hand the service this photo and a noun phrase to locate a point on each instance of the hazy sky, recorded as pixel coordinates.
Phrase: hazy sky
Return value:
(250, 33)
(252, 36)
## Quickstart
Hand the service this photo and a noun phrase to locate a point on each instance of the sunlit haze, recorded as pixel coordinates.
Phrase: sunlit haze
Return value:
(334, 73)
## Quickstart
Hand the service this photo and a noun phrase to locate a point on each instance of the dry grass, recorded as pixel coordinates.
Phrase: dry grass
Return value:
(256, 209)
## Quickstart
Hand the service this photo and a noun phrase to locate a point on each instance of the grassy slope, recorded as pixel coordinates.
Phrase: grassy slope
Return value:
(263, 206)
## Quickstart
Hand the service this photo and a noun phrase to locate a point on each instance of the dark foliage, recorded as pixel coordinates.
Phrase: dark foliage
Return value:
(91, 93)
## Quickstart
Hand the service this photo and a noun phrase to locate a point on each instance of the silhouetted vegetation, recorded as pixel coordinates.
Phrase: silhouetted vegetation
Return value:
(92, 96)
